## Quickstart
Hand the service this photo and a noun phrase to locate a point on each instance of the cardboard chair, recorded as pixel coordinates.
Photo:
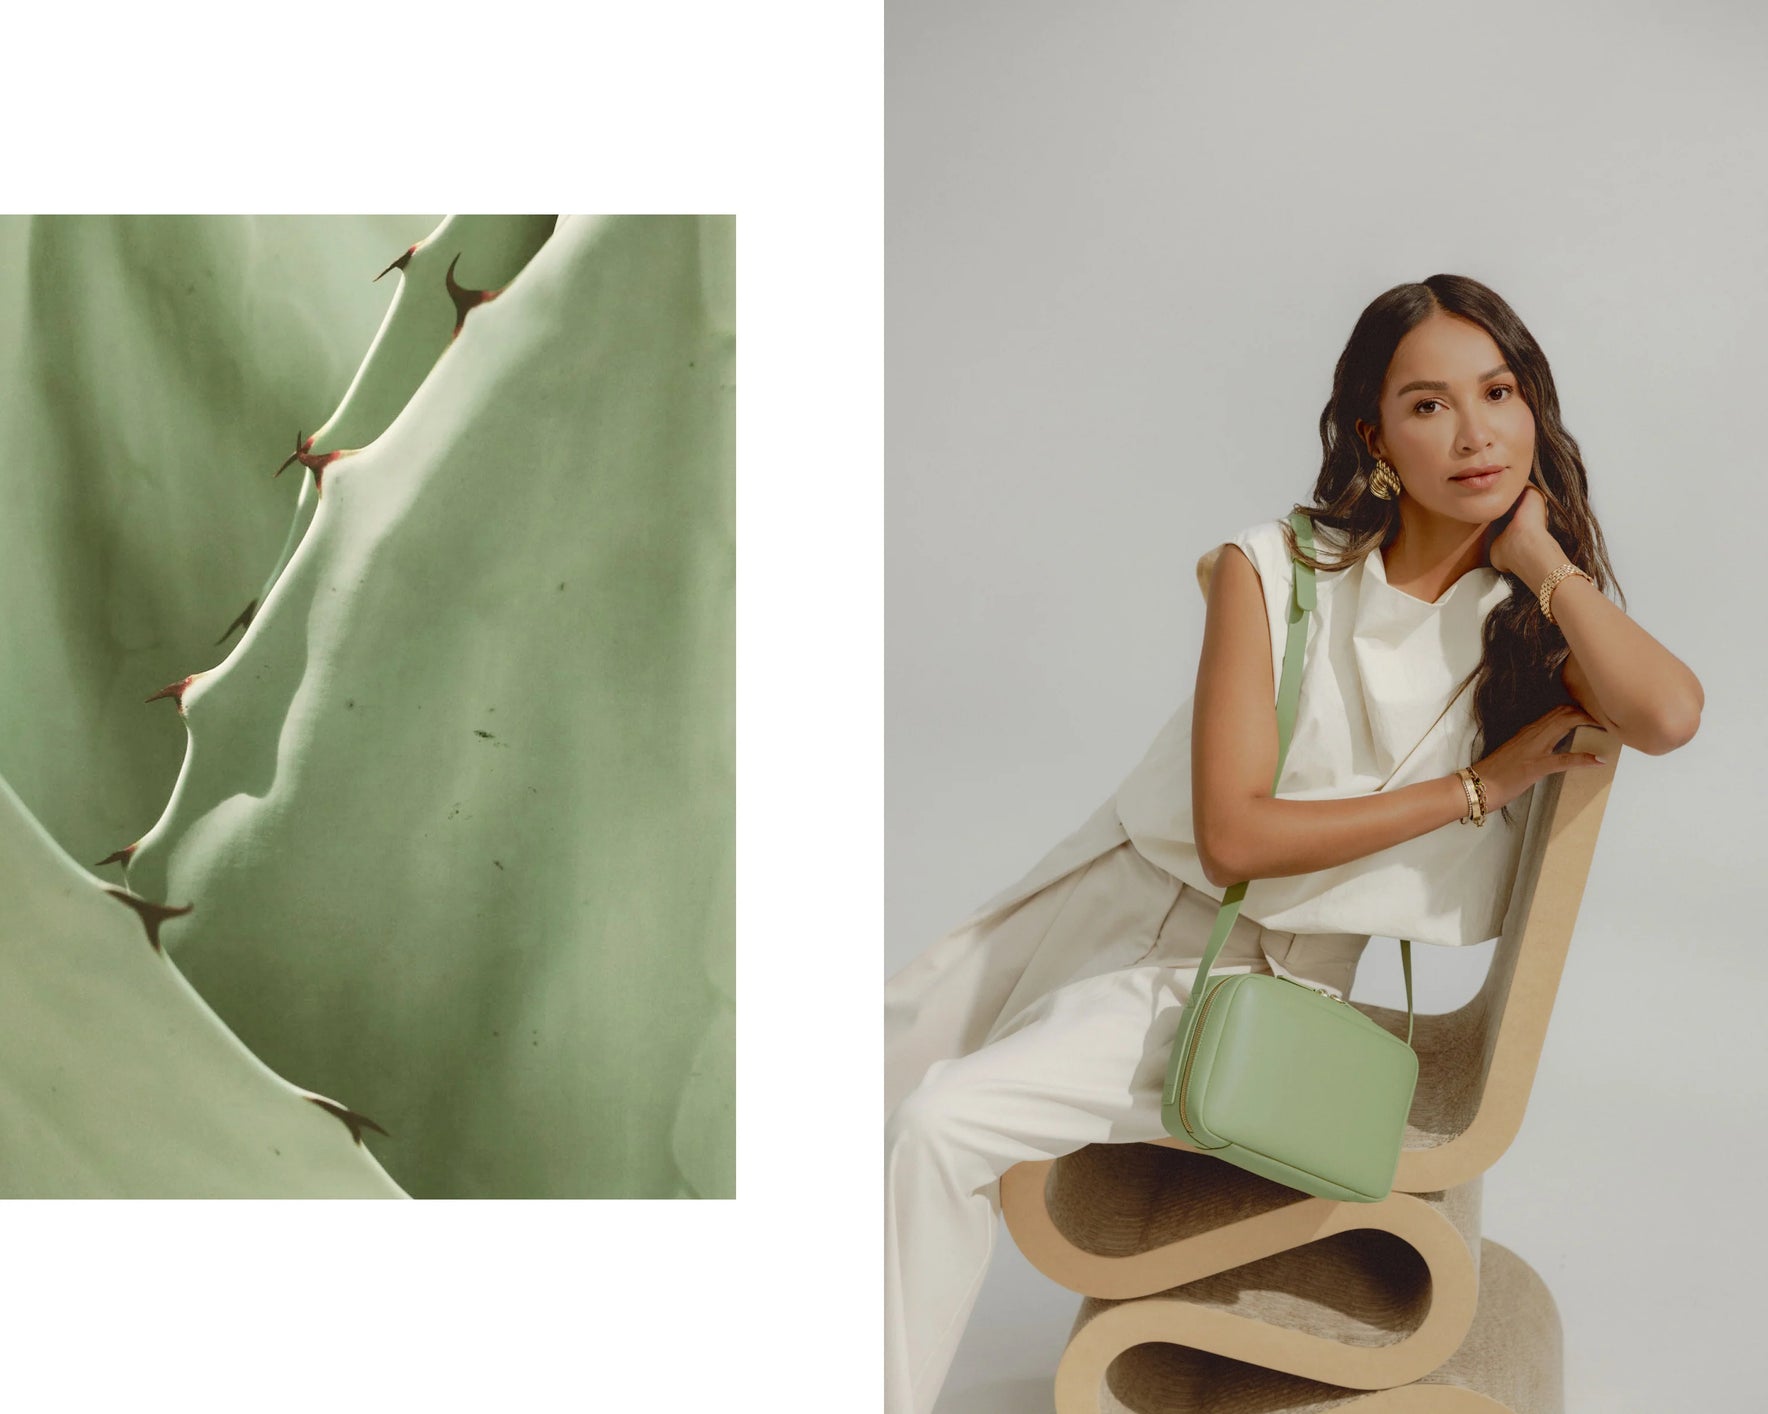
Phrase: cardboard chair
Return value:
(1210, 1288)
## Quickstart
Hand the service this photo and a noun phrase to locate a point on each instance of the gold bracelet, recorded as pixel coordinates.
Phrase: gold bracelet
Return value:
(1475, 789)
(1472, 799)
(1552, 582)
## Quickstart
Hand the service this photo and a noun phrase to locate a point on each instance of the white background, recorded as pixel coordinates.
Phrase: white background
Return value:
(769, 110)
(1125, 245)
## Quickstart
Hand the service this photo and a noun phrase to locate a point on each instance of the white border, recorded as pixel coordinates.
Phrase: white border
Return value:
(771, 111)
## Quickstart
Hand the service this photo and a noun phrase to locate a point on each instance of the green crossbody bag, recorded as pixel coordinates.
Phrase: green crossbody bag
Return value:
(1278, 1077)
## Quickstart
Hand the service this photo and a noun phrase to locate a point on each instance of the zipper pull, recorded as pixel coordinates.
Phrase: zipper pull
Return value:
(1311, 987)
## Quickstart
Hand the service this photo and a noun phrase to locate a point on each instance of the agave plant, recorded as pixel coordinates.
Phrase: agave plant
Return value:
(441, 899)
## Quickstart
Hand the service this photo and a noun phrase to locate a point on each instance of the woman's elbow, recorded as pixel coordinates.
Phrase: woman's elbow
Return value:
(1671, 725)
(1206, 859)
(1682, 730)
(1219, 857)
(1670, 733)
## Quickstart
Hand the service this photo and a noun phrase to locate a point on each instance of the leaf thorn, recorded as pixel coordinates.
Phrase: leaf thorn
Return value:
(152, 914)
(398, 264)
(464, 299)
(353, 1121)
(244, 621)
(174, 690)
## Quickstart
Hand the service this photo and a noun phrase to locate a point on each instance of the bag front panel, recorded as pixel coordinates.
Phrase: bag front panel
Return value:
(1310, 1084)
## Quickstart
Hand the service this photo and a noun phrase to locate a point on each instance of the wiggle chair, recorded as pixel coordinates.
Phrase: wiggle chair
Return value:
(1210, 1288)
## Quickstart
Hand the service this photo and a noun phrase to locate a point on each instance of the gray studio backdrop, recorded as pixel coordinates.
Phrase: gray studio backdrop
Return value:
(1125, 245)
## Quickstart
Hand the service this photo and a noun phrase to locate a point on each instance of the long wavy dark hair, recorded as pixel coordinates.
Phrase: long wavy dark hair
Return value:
(1517, 679)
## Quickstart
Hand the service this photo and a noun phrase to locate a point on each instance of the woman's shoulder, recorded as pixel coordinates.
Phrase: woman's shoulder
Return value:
(1266, 544)
(1263, 544)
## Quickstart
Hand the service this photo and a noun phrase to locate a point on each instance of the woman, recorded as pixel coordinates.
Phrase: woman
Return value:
(1450, 502)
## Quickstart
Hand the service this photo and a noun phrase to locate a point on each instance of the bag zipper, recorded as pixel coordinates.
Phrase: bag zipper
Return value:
(1321, 990)
(1191, 1051)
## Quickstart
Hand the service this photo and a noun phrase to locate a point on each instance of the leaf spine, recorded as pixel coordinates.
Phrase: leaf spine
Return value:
(398, 264)
(353, 1121)
(465, 300)
(151, 914)
(243, 622)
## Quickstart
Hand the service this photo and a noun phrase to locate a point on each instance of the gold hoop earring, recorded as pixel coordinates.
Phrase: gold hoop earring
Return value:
(1382, 481)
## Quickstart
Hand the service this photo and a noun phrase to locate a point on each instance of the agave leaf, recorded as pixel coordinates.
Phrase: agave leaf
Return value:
(457, 811)
(150, 365)
(479, 253)
(116, 1081)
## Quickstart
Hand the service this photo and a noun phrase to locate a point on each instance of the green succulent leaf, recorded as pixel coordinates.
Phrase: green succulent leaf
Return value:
(154, 369)
(459, 806)
(116, 1080)
(456, 810)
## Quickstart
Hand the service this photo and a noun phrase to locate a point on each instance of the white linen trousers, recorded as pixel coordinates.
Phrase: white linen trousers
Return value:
(1058, 1068)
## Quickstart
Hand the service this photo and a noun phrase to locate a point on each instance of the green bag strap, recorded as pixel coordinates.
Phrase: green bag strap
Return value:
(1301, 602)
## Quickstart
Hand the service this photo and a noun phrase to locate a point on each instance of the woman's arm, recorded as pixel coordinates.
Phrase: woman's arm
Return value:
(1634, 686)
(1243, 831)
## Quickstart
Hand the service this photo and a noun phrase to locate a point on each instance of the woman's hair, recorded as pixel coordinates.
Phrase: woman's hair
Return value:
(1517, 679)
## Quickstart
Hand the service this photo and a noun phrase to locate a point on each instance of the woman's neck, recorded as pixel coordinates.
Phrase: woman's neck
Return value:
(1430, 552)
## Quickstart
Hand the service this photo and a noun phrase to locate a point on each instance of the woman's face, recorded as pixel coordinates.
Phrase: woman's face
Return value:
(1468, 414)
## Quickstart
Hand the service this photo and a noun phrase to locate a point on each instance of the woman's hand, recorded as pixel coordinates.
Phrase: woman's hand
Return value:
(1523, 525)
(1651, 698)
(1529, 755)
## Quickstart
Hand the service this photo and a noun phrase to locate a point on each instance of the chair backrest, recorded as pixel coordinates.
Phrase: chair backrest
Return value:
(1482, 1057)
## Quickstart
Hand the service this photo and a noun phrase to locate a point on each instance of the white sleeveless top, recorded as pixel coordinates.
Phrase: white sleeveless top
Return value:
(1379, 667)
